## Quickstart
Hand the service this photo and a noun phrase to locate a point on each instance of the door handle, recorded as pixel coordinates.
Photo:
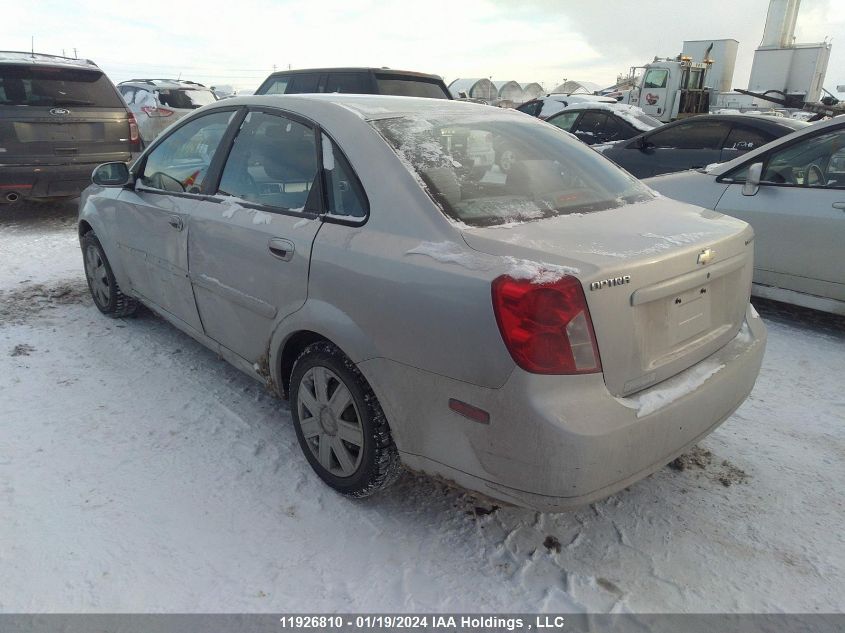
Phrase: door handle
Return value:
(176, 222)
(281, 249)
(839, 205)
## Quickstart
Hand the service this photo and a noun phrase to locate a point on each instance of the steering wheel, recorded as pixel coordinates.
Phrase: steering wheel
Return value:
(814, 173)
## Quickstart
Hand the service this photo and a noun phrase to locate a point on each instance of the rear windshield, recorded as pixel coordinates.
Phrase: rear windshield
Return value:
(489, 169)
(411, 87)
(188, 99)
(47, 86)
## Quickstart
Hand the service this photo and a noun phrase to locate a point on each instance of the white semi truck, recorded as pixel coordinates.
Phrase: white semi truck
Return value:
(669, 89)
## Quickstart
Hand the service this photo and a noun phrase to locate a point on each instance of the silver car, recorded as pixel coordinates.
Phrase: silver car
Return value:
(792, 191)
(545, 336)
(158, 103)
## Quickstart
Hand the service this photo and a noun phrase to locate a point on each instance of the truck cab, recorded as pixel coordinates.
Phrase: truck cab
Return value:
(670, 89)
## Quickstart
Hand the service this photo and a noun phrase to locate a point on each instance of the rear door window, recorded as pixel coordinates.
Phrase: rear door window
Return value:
(591, 125)
(180, 162)
(273, 162)
(355, 83)
(304, 83)
(565, 120)
(615, 129)
(692, 135)
(344, 193)
(50, 87)
(745, 138)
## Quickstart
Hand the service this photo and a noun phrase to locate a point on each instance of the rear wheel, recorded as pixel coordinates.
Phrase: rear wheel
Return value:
(107, 295)
(339, 423)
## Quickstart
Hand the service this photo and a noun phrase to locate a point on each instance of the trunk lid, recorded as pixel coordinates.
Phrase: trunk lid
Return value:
(657, 306)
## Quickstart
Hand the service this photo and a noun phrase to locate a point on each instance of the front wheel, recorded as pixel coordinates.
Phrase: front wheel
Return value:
(339, 423)
(107, 295)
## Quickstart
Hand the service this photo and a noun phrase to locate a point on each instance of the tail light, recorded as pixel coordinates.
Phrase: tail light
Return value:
(134, 135)
(156, 112)
(546, 327)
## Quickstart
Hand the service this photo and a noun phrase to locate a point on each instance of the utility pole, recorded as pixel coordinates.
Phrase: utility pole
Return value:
(74, 52)
(32, 42)
(274, 67)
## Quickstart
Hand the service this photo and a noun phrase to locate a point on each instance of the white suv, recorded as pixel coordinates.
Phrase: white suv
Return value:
(157, 103)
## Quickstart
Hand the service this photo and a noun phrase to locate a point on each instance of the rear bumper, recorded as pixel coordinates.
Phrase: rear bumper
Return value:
(555, 443)
(45, 181)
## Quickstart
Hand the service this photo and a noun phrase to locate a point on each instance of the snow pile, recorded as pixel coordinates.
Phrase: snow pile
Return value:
(680, 239)
(449, 253)
(633, 115)
(536, 272)
(601, 148)
(672, 389)
(260, 217)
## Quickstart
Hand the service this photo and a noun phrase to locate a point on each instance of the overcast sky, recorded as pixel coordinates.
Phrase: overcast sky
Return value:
(530, 40)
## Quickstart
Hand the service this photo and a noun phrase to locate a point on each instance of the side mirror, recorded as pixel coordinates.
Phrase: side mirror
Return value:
(111, 175)
(752, 180)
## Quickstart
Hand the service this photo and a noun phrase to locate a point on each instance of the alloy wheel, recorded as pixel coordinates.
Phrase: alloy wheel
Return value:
(98, 278)
(330, 421)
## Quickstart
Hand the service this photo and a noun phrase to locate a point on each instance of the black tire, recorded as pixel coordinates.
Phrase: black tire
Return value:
(112, 303)
(379, 464)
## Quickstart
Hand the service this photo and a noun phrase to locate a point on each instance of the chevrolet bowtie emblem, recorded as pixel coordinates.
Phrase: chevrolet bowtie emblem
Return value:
(706, 256)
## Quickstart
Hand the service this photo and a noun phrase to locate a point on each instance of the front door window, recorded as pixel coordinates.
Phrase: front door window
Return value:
(180, 163)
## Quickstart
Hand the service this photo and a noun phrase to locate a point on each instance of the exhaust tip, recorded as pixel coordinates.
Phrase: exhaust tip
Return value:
(13, 196)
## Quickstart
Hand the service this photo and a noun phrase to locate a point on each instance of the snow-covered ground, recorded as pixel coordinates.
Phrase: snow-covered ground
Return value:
(138, 472)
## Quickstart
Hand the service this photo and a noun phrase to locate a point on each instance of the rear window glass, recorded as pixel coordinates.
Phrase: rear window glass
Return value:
(185, 99)
(49, 87)
(410, 87)
(494, 168)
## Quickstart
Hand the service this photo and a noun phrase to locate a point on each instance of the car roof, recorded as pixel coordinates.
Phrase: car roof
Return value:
(776, 120)
(810, 129)
(43, 59)
(772, 124)
(348, 69)
(368, 107)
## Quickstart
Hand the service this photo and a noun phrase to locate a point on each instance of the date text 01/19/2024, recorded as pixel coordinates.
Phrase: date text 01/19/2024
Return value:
(449, 622)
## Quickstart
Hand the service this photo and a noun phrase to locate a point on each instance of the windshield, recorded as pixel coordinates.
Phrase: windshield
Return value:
(489, 169)
(48, 87)
(185, 99)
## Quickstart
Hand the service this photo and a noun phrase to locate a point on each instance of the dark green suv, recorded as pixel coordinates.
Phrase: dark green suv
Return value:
(59, 118)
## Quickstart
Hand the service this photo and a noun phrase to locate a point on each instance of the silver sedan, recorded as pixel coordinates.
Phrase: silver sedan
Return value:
(792, 191)
(545, 332)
